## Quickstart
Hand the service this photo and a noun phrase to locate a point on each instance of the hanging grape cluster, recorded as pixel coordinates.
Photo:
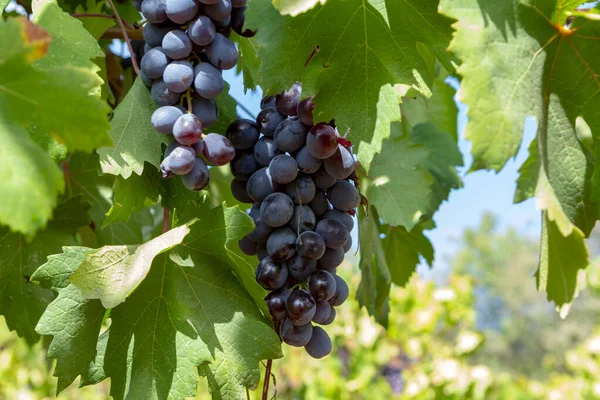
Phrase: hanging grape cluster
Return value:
(186, 50)
(300, 178)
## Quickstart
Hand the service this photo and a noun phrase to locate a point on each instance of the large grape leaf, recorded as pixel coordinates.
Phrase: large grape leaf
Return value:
(22, 302)
(112, 273)
(295, 7)
(527, 62)
(365, 47)
(3, 4)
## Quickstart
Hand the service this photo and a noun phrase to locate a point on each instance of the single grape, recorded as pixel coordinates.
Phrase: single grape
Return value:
(305, 111)
(161, 95)
(154, 11)
(238, 190)
(147, 81)
(302, 190)
(219, 11)
(319, 204)
(331, 318)
(303, 218)
(217, 149)
(147, 47)
(224, 27)
(322, 141)
(181, 11)
(222, 53)
(301, 307)
(283, 169)
(348, 244)
(178, 76)
(310, 245)
(332, 259)
(177, 45)
(209, 81)
(290, 134)
(321, 285)
(265, 150)
(333, 232)
(287, 102)
(276, 302)
(282, 244)
(276, 209)
(243, 166)
(206, 110)
(243, 133)
(344, 196)
(267, 121)
(341, 216)
(154, 63)
(262, 231)
(319, 345)
(270, 274)
(238, 19)
(341, 292)
(188, 129)
(300, 267)
(179, 161)
(199, 176)
(296, 336)
(306, 162)
(323, 312)
(341, 164)
(267, 102)
(322, 179)
(202, 31)
(261, 251)
(260, 185)
(154, 34)
(164, 118)
(247, 246)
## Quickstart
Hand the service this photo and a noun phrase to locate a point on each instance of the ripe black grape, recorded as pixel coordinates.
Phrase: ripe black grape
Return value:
(243, 133)
(208, 81)
(303, 219)
(178, 76)
(276, 302)
(290, 135)
(260, 185)
(333, 232)
(243, 166)
(281, 244)
(164, 118)
(310, 245)
(202, 31)
(181, 11)
(287, 102)
(341, 164)
(222, 53)
(177, 45)
(238, 190)
(198, 178)
(320, 344)
(247, 246)
(179, 161)
(302, 190)
(344, 196)
(331, 259)
(301, 268)
(154, 63)
(187, 129)
(322, 141)
(283, 169)
(322, 285)
(323, 312)
(217, 149)
(206, 110)
(276, 209)
(319, 204)
(265, 150)
(301, 307)
(306, 162)
(268, 120)
(341, 292)
(294, 335)
(271, 274)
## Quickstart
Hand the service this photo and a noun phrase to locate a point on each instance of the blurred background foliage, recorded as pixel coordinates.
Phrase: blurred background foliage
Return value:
(481, 331)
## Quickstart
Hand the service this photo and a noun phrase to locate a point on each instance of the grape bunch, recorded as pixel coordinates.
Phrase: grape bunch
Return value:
(300, 178)
(186, 49)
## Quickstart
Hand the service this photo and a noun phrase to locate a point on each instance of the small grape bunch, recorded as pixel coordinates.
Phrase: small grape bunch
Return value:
(186, 49)
(300, 179)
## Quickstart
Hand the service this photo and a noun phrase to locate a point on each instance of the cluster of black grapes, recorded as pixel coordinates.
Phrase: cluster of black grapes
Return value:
(186, 50)
(300, 178)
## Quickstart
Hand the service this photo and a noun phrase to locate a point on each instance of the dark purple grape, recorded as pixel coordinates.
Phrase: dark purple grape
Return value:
(296, 336)
(348, 244)
(331, 317)
(243, 133)
(202, 31)
(306, 162)
(177, 45)
(261, 252)
(265, 150)
(154, 63)
(181, 11)
(218, 150)
(154, 11)
(287, 102)
(319, 204)
(260, 185)
(267, 102)
(209, 81)
(341, 292)
(276, 209)
(188, 129)
(322, 141)
(290, 135)
(322, 179)
(247, 246)
(147, 81)
(344, 196)
(332, 259)
(305, 111)
(267, 121)
(333, 232)
(219, 11)
(262, 231)
(322, 285)
(302, 190)
(276, 302)
(270, 274)
(206, 110)
(161, 95)
(319, 345)
(154, 34)
(341, 164)
(178, 161)
(222, 53)
(323, 312)
(238, 190)
(341, 216)
(283, 169)
(303, 218)
(281, 245)
(178, 76)
(301, 268)
(243, 165)
(198, 178)
(310, 245)
(164, 118)
(301, 307)
(238, 19)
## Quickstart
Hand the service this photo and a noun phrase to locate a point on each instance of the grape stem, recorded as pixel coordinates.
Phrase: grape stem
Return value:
(86, 15)
(265, 394)
(125, 36)
(315, 51)
(116, 33)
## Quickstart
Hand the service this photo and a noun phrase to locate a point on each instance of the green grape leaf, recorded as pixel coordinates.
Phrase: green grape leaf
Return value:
(73, 321)
(3, 4)
(399, 186)
(528, 175)
(365, 47)
(95, 26)
(227, 112)
(112, 273)
(403, 251)
(22, 302)
(248, 63)
(136, 140)
(295, 7)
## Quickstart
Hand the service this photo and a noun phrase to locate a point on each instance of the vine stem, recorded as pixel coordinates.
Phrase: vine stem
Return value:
(116, 33)
(125, 36)
(265, 394)
(92, 15)
(165, 219)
